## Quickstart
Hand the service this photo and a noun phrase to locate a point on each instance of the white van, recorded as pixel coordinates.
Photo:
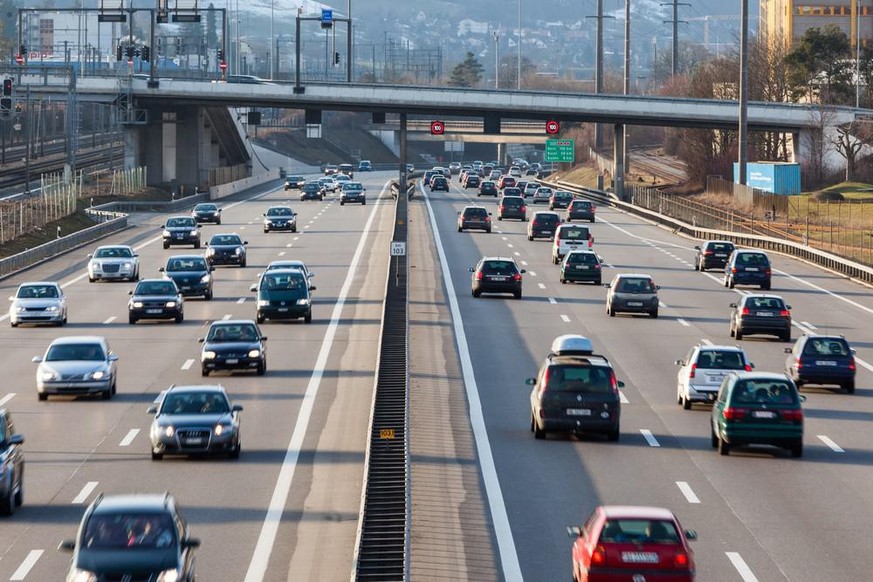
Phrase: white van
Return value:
(570, 237)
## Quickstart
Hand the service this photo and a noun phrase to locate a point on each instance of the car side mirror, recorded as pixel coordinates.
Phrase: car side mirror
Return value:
(311, 274)
(524, 270)
(574, 531)
(136, 254)
(201, 340)
(802, 397)
(36, 359)
(219, 210)
(751, 365)
(312, 287)
(607, 285)
(206, 244)
(191, 543)
(16, 439)
(472, 269)
(90, 256)
(691, 534)
(263, 214)
(153, 409)
(67, 546)
(788, 307)
(697, 247)
(113, 357)
(680, 363)
(254, 287)
(531, 381)
(130, 292)
(733, 305)
(160, 269)
(211, 268)
(657, 287)
(245, 242)
(236, 408)
(263, 338)
(620, 384)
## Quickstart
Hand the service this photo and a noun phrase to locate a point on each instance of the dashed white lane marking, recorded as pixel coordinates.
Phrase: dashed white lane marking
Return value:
(661, 304)
(85, 493)
(109, 320)
(524, 263)
(741, 566)
(623, 398)
(28, 563)
(128, 438)
(864, 364)
(188, 363)
(281, 253)
(541, 286)
(553, 301)
(242, 228)
(510, 245)
(241, 300)
(7, 398)
(504, 238)
(565, 319)
(226, 316)
(532, 273)
(295, 238)
(809, 325)
(307, 226)
(251, 222)
(650, 438)
(516, 253)
(683, 322)
(686, 490)
(833, 446)
(707, 342)
(289, 244)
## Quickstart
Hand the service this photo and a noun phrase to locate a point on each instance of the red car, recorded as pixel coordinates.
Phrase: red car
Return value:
(505, 181)
(626, 543)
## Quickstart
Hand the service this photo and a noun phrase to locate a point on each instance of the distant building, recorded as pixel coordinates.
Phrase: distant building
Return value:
(790, 19)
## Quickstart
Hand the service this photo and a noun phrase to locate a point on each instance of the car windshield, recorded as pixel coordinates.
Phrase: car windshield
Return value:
(285, 265)
(508, 201)
(113, 253)
(635, 285)
(38, 292)
(206, 208)
(312, 186)
(511, 191)
(283, 281)
(720, 360)
(720, 247)
(281, 211)
(180, 222)
(544, 191)
(475, 213)
(582, 258)
(499, 268)
(546, 219)
(639, 531)
(574, 233)
(76, 352)
(764, 392)
(563, 195)
(585, 379)
(752, 259)
(352, 186)
(195, 403)
(155, 288)
(225, 239)
(826, 347)
(232, 333)
(192, 264)
(764, 303)
(129, 531)
(581, 204)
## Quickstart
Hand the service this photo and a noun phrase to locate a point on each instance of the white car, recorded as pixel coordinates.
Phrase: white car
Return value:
(703, 369)
(113, 262)
(77, 365)
(542, 194)
(38, 302)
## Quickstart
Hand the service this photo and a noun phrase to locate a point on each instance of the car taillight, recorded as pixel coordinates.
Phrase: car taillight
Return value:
(795, 415)
(613, 384)
(680, 560)
(479, 276)
(747, 368)
(734, 413)
(598, 556)
(543, 385)
(733, 269)
(596, 266)
(693, 369)
(523, 208)
(516, 277)
(502, 208)
(767, 271)
(852, 363)
(784, 313)
(708, 253)
(593, 210)
(487, 219)
(745, 310)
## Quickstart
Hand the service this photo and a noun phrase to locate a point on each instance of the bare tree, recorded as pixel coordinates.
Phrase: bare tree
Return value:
(848, 146)
(816, 145)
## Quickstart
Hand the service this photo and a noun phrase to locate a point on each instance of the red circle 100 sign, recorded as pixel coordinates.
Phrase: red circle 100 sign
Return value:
(437, 127)
(552, 127)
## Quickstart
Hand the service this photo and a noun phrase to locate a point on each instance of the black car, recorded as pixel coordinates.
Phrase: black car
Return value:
(353, 192)
(513, 191)
(132, 537)
(233, 344)
(713, 254)
(472, 182)
(748, 268)
(347, 169)
(155, 299)
(580, 210)
(822, 359)
(280, 218)
(496, 275)
(311, 190)
(512, 207)
(560, 199)
(543, 225)
(581, 266)
(191, 273)
(575, 391)
(284, 294)
(474, 217)
(488, 188)
(294, 182)
(207, 212)
(761, 314)
(439, 183)
(11, 465)
(226, 249)
(181, 230)
(195, 420)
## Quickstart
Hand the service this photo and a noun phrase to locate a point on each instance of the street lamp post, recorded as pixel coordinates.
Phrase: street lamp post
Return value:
(518, 47)
(496, 36)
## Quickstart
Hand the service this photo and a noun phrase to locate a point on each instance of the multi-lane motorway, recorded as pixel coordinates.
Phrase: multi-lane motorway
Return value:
(488, 501)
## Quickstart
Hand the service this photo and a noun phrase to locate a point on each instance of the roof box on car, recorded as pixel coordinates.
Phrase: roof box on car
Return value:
(572, 345)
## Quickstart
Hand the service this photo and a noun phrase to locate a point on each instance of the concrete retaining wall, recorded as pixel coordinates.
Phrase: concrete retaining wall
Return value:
(225, 190)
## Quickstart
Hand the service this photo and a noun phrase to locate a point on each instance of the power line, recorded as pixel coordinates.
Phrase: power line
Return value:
(675, 22)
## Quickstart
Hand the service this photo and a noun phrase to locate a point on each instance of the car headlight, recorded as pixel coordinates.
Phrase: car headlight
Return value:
(97, 375)
(205, 279)
(20, 309)
(255, 353)
(263, 302)
(303, 302)
(52, 308)
(168, 576)
(208, 355)
(48, 375)
(171, 304)
(94, 265)
(78, 575)
(137, 304)
(238, 251)
(220, 429)
(166, 233)
(126, 266)
(210, 251)
(169, 431)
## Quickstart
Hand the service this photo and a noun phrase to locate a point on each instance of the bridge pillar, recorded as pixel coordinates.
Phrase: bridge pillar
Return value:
(618, 152)
(801, 146)
(133, 136)
(501, 153)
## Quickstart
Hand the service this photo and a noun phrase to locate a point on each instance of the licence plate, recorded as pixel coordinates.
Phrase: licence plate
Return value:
(825, 363)
(751, 268)
(233, 361)
(763, 414)
(498, 278)
(179, 235)
(720, 255)
(154, 311)
(766, 313)
(639, 557)
(186, 287)
(578, 412)
(715, 377)
(194, 441)
(582, 267)
(283, 309)
(635, 303)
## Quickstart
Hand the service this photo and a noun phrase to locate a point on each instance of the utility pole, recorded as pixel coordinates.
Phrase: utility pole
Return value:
(518, 48)
(496, 36)
(674, 67)
(627, 75)
(598, 67)
(744, 90)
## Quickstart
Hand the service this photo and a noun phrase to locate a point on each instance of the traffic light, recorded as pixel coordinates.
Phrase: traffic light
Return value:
(336, 58)
(7, 87)
(22, 50)
(118, 53)
(220, 55)
(146, 53)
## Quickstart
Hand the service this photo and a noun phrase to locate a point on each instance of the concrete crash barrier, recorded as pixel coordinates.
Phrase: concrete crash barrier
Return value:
(231, 188)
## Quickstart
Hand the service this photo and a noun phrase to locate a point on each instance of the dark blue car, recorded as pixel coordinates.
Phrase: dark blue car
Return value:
(745, 267)
(822, 359)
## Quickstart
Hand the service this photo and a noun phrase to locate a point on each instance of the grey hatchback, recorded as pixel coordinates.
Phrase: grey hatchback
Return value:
(632, 293)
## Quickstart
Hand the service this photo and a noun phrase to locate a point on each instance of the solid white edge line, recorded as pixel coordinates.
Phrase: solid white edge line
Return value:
(109, 320)
(84, 493)
(128, 438)
(502, 530)
(28, 563)
(686, 490)
(650, 438)
(188, 363)
(7, 398)
(831, 444)
(741, 566)
(261, 556)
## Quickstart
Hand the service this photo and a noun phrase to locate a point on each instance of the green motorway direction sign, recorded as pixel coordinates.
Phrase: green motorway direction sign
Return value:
(560, 150)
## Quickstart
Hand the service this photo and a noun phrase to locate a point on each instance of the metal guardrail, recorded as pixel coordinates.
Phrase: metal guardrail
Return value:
(49, 250)
(128, 206)
(824, 259)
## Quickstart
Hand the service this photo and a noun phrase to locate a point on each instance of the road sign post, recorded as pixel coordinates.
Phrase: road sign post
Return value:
(560, 150)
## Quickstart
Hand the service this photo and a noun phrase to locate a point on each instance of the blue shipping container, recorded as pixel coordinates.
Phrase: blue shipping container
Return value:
(775, 177)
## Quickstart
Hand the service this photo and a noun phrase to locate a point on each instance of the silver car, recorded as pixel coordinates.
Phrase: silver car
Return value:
(38, 302)
(289, 264)
(542, 194)
(77, 365)
(632, 293)
(113, 262)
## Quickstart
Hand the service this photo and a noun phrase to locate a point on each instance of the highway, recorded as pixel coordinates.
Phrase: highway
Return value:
(485, 494)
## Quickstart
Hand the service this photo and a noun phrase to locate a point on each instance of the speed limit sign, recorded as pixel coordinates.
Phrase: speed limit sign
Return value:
(437, 127)
(552, 127)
